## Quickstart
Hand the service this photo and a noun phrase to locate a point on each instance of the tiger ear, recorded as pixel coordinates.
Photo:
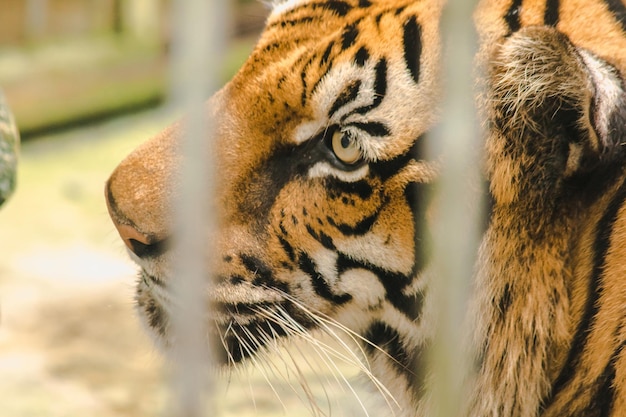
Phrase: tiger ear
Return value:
(555, 112)
(607, 107)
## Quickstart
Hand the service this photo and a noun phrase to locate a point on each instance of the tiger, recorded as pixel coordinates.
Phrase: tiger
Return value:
(9, 149)
(321, 195)
(550, 289)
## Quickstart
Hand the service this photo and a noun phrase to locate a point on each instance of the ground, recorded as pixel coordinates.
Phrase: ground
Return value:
(70, 343)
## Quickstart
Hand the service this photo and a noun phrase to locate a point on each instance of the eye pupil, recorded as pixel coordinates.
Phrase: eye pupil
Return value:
(345, 147)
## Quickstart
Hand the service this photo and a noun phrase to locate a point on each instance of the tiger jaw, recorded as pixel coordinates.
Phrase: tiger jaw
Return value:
(240, 326)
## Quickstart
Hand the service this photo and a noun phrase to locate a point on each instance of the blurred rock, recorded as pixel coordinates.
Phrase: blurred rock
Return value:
(9, 146)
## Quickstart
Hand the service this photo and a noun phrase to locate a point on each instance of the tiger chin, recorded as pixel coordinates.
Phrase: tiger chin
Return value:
(550, 306)
(318, 147)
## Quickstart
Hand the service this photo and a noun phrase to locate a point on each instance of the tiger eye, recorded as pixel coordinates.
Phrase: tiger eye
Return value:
(345, 148)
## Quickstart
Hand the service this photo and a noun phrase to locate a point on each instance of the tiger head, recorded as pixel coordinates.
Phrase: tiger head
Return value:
(316, 140)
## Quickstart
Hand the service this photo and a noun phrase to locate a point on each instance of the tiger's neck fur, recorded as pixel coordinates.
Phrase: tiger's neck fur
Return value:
(549, 297)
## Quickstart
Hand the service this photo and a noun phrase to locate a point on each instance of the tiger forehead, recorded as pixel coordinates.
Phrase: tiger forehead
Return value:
(274, 89)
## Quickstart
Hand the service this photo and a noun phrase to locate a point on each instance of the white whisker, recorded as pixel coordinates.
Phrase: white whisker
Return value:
(243, 344)
(327, 352)
(327, 324)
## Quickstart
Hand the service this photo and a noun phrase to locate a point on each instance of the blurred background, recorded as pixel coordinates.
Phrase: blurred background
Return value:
(86, 80)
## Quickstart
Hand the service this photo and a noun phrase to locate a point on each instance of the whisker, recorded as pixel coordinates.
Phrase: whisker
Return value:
(272, 341)
(303, 381)
(243, 344)
(325, 351)
(231, 360)
(325, 324)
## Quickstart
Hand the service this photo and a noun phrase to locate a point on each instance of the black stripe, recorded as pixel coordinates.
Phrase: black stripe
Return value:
(605, 399)
(257, 267)
(600, 249)
(292, 22)
(326, 241)
(393, 282)
(359, 229)
(512, 16)
(157, 318)
(326, 53)
(617, 8)
(378, 18)
(412, 41)
(321, 237)
(263, 276)
(151, 279)
(504, 301)
(380, 86)
(418, 196)
(551, 14)
(380, 89)
(320, 285)
(339, 7)
(360, 188)
(249, 341)
(303, 74)
(241, 308)
(407, 363)
(348, 95)
(386, 169)
(361, 56)
(375, 129)
(287, 248)
(348, 38)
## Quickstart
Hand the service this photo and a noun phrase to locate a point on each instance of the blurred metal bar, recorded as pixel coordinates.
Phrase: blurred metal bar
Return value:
(456, 230)
(36, 16)
(198, 39)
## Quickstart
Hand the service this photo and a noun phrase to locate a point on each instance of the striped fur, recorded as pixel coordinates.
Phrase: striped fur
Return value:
(551, 286)
(306, 240)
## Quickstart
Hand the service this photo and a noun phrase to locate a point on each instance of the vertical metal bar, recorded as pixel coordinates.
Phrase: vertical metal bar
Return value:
(456, 229)
(196, 53)
(36, 16)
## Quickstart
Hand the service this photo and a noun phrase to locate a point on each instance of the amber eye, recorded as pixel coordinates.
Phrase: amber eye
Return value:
(345, 148)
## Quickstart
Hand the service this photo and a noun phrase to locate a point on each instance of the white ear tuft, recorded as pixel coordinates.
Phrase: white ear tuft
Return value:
(281, 6)
(609, 106)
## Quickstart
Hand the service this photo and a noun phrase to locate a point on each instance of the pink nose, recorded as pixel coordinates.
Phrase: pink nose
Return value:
(140, 243)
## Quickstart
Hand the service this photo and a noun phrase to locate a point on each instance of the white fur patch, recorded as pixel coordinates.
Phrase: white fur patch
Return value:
(324, 169)
(282, 6)
(364, 285)
(391, 256)
(329, 88)
(608, 93)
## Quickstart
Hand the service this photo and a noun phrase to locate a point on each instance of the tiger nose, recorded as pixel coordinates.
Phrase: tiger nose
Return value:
(139, 191)
(141, 243)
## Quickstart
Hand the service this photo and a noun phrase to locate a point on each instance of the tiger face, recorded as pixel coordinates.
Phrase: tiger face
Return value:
(317, 143)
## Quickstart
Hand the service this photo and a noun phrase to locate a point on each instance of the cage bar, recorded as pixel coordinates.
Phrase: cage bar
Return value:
(456, 231)
(198, 39)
